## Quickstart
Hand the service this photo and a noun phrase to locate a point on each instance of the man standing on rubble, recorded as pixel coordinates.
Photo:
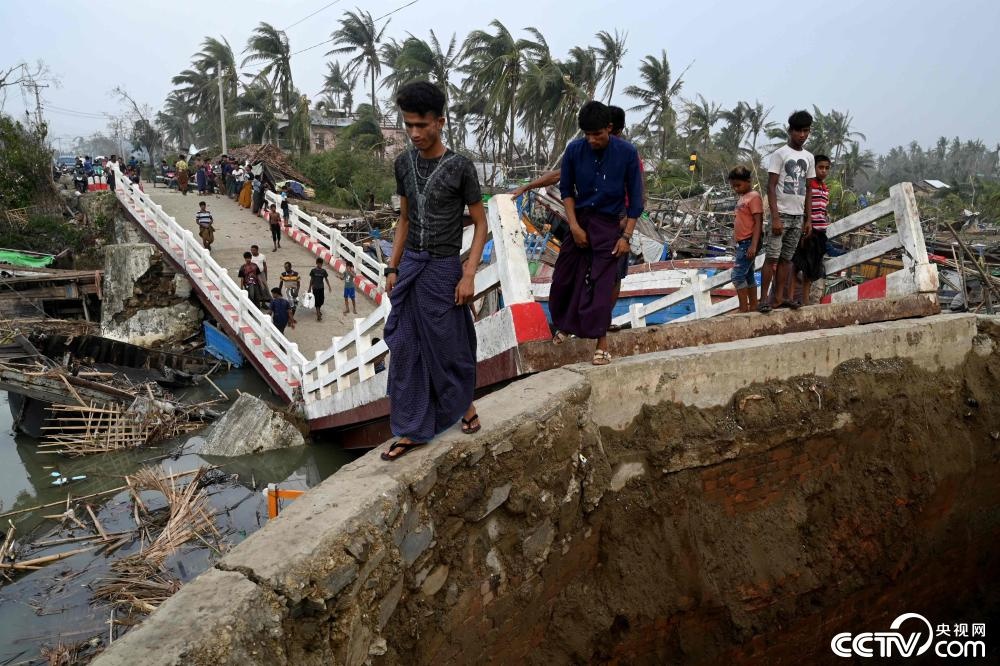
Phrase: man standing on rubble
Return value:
(430, 332)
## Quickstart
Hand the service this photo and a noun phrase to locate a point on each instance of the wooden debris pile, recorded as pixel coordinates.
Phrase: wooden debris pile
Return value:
(78, 430)
(275, 162)
(141, 582)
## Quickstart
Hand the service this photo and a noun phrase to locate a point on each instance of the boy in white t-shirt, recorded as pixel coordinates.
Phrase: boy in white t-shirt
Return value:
(789, 168)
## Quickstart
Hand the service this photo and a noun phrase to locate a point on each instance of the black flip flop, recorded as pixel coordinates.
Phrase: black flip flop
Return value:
(467, 425)
(763, 308)
(791, 305)
(406, 446)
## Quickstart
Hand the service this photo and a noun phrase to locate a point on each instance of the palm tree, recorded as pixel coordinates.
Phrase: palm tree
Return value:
(839, 133)
(269, 45)
(174, 120)
(856, 162)
(217, 57)
(417, 60)
(655, 97)
(731, 137)
(495, 64)
(610, 53)
(199, 92)
(256, 113)
(757, 124)
(358, 35)
(335, 83)
(701, 117)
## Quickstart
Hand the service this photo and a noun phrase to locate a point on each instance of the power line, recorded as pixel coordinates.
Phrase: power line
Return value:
(75, 111)
(313, 14)
(327, 41)
(75, 115)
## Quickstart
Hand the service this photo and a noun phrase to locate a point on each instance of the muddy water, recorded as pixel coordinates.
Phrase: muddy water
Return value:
(54, 604)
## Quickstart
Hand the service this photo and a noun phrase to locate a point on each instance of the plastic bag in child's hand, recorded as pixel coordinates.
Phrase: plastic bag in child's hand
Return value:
(308, 301)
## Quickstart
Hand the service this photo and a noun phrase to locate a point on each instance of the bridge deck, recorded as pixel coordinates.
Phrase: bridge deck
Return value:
(236, 230)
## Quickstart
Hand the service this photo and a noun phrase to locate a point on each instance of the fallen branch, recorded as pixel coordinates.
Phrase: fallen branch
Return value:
(38, 561)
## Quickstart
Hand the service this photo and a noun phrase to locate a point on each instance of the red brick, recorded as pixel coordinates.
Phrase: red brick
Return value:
(781, 454)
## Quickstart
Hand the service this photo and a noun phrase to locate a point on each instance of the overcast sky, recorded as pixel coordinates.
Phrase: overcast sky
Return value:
(913, 70)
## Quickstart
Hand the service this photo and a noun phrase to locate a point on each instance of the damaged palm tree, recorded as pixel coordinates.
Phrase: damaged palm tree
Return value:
(141, 582)
(77, 430)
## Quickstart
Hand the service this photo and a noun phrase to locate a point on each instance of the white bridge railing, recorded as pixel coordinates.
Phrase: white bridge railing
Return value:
(279, 357)
(333, 240)
(342, 376)
(917, 276)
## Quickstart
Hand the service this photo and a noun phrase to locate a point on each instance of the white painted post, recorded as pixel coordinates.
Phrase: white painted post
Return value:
(702, 296)
(322, 369)
(340, 360)
(243, 309)
(924, 274)
(508, 244)
(904, 205)
(291, 364)
(363, 342)
(334, 246)
(637, 316)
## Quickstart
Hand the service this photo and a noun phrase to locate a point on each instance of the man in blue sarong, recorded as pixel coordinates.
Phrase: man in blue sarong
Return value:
(430, 332)
(600, 179)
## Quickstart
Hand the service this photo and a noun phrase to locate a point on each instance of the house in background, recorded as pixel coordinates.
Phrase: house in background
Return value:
(326, 124)
(930, 186)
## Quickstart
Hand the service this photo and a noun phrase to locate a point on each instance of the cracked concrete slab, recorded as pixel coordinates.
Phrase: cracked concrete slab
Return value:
(224, 618)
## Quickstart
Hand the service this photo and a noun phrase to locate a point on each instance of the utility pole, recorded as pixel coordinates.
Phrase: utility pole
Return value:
(38, 102)
(222, 112)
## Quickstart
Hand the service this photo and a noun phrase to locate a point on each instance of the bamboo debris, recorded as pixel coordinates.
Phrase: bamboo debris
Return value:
(137, 586)
(8, 543)
(77, 430)
(76, 539)
(36, 562)
(69, 654)
(139, 582)
(97, 523)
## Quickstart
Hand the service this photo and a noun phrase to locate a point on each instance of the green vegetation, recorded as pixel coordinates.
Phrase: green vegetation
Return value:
(25, 169)
(51, 234)
(344, 174)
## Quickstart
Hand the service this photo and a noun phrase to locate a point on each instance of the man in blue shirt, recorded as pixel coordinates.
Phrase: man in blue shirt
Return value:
(599, 173)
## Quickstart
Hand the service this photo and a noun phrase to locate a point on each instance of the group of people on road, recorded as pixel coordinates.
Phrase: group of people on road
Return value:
(244, 183)
(283, 299)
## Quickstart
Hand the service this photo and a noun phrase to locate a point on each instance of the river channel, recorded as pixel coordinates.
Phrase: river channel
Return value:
(55, 604)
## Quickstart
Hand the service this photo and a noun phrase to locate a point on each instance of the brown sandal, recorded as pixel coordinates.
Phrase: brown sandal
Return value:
(470, 429)
(559, 338)
(601, 357)
(405, 446)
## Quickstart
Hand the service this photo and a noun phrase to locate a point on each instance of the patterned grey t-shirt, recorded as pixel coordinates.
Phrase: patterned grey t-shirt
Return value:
(436, 193)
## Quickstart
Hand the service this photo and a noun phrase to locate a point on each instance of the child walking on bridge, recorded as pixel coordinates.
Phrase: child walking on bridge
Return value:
(206, 229)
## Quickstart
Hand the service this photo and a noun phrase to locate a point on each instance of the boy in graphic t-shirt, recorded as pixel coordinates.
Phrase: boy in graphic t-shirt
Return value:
(788, 198)
(746, 235)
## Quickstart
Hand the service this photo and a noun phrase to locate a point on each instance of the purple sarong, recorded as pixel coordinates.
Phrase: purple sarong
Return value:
(432, 348)
(583, 280)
